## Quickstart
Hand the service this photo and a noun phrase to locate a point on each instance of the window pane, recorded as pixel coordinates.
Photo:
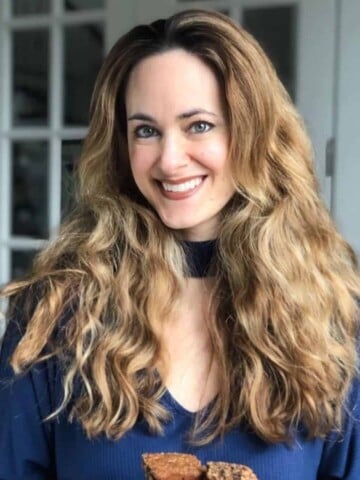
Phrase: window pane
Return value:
(71, 150)
(26, 7)
(29, 189)
(30, 73)
(84, 47)
(274, 28)
(21, 262)
(75, 5)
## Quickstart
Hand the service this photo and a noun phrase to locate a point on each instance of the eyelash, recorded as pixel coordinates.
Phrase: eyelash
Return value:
(139, 128)
(208, 125)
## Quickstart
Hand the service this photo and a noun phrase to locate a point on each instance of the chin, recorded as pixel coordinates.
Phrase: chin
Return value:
(177, 223)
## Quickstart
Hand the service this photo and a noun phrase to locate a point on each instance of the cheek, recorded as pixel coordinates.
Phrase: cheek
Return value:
(140, 164)
(135, 167)
(215, 158)
(214, 152)
(135, 156)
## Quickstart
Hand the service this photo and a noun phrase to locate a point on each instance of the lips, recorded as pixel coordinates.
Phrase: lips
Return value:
(182, 188)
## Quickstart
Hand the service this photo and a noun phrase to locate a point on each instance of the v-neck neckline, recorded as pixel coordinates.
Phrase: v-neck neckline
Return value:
(199, 255)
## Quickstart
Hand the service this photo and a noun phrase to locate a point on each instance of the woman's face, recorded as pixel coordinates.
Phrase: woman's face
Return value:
(178, 142)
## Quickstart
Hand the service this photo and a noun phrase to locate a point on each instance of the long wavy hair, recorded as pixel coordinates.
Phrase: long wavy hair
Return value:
(284, 318)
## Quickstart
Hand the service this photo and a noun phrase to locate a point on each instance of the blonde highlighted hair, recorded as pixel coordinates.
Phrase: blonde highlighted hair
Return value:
(284, 316)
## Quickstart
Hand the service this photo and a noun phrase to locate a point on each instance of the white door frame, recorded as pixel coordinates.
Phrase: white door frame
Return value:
(54, 132)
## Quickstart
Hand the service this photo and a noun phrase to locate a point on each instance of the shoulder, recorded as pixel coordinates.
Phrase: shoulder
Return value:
(35, 388)
(18, 330)
(341, 452)
(26, 399)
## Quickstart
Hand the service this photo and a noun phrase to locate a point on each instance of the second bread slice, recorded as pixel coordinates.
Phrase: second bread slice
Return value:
(228, 471)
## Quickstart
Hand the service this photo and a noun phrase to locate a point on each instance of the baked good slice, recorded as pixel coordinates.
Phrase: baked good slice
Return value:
(172, 466)
(228, 471)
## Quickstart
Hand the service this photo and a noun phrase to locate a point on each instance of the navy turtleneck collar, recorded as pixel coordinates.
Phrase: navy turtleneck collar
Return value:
(199, 256)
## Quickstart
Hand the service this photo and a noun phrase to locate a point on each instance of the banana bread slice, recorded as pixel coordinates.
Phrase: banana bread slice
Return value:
(172, 466)
(228, 471)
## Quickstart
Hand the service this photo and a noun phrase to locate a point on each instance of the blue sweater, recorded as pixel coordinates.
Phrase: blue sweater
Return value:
(31, 449)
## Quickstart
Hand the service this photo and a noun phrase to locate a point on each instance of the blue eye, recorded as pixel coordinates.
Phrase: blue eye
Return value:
(201, 127)
(145, 131)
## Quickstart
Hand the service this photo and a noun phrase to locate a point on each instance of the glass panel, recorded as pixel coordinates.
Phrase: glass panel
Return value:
(29, 189)
(275, 28)
(74, 5)
(84, 47)
(71, 150)
(26, 7)
(30, 74)
(21, 262)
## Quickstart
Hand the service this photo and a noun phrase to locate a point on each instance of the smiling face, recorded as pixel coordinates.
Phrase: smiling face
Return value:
(178, 142)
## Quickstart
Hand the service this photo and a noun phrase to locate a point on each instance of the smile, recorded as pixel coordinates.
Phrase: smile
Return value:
(182, 187)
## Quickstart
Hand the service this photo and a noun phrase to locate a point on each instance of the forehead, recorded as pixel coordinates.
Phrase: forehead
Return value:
(172, 79)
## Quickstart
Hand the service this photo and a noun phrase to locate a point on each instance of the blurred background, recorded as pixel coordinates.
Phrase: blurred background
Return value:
(51, 51)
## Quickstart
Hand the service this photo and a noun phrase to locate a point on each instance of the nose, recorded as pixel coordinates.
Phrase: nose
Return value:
(172, 155)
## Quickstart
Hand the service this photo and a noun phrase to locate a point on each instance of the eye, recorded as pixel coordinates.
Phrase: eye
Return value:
(201, 127)
(145, 131)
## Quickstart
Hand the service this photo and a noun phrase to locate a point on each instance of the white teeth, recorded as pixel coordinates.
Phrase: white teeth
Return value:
(181, 187)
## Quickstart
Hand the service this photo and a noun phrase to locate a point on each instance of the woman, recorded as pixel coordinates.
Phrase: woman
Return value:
(199, 299)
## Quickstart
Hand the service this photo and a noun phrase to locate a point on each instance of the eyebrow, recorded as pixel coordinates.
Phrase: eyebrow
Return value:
(181, 116)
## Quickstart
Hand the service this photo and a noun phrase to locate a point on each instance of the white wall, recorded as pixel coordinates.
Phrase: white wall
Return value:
(346, 191)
